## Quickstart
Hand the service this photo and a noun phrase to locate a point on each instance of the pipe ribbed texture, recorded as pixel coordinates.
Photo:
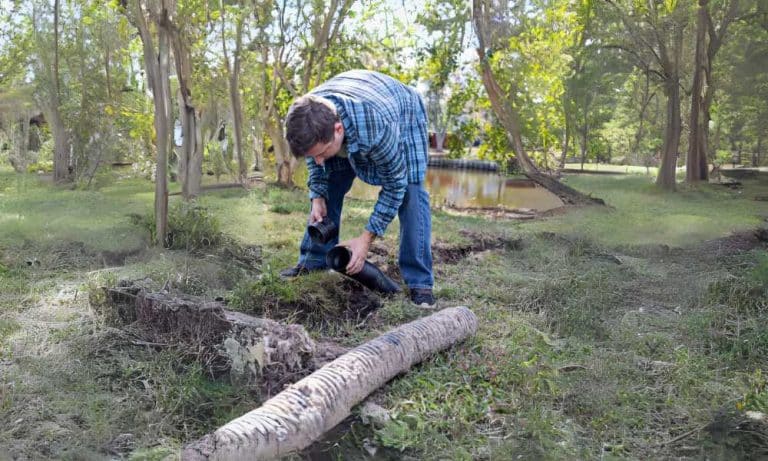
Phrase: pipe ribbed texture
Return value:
(300, 414)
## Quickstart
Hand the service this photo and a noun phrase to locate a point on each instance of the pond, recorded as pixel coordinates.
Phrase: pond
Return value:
(475, 189)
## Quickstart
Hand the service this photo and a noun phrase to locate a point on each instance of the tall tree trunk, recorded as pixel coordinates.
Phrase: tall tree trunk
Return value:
(284, 161)
(566, 140)
(708, 42)
(233, 73)
(163, 133)
(191, 160)
(696, 162)
(61, 141)
(646, 100)
(666, 177)
(157, 65)
(440, 140)
(584, 131)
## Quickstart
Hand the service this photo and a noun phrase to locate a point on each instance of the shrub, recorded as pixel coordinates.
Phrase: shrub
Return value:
(190, 227)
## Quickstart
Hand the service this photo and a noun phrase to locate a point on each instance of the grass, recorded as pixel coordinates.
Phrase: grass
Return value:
(642, 214)
(609, 333)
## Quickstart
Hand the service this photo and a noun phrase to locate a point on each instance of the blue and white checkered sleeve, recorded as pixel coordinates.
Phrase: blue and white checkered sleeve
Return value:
(391, 168)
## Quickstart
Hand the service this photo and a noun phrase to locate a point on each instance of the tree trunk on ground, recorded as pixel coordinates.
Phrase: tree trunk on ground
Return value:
(23, 145)
(304, 411)
(251, 351)
(257, 138)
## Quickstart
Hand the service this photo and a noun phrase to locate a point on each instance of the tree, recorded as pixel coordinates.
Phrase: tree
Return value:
(148, 16)
(709, 38)
(445, 22)
(654, 40)
(49, 91)
(184, 31)
(295, 42)
(497, 24)
(233, 69)
(739, 110)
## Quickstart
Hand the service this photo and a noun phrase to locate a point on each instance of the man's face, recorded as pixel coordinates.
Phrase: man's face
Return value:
(323, 151)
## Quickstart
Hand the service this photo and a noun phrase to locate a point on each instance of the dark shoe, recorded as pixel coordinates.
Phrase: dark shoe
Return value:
(423, 298)
(293, 272)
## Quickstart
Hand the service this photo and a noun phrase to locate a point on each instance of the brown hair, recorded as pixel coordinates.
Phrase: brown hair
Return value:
(310, 120)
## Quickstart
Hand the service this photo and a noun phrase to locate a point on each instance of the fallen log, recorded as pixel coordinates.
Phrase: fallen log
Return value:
(300, 414)
(250, 350)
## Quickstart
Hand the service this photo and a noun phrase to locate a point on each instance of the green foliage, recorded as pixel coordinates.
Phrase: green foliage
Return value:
(756, 398)
(723, 157)
(496, 146)
(284, 202)
(192, 226)
(45, 166)
(249, 297)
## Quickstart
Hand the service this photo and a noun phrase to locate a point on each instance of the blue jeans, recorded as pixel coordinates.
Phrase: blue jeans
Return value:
(415, 259)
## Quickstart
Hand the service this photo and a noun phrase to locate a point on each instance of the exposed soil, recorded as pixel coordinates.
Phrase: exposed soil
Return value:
(334, 303)
(444, 253)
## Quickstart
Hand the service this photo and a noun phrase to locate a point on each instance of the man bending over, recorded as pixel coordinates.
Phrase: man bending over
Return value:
(368, 125)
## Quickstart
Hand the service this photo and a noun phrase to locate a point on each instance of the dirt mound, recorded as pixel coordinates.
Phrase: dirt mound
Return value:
(737, 242)
(322, 305)
(451, 254)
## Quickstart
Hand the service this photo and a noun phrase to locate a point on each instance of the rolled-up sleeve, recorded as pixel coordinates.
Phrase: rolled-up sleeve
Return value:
(392, 170)
(317, 180)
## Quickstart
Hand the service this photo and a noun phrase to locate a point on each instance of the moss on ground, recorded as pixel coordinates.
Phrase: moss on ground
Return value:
(632, 332)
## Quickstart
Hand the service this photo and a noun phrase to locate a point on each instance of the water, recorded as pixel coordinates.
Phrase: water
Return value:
(475, 189)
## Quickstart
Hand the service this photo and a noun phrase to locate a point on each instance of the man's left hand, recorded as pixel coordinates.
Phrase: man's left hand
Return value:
(359, 247)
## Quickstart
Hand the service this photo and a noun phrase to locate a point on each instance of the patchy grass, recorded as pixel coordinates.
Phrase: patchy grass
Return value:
(640, 214)
(604, 333)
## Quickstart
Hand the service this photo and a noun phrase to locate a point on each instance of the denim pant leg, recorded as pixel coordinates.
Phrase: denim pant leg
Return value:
(312, 255)
(415, 238)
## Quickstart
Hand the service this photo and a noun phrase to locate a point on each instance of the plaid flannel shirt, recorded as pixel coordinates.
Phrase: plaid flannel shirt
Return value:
(385, 135)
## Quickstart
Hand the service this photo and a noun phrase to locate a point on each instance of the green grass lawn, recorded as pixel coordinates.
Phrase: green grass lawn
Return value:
(607, 334)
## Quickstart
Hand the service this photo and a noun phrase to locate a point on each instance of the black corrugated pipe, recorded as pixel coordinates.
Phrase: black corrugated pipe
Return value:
(371, 276)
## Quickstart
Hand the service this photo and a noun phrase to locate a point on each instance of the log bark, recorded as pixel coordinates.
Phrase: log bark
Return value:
(300, 414)
(252, 351)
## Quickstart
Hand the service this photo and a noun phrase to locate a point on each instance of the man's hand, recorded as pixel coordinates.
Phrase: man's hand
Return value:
(319, 210)
(359, 247)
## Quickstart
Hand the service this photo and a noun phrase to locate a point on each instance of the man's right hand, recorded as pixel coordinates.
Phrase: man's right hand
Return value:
(319, 210)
